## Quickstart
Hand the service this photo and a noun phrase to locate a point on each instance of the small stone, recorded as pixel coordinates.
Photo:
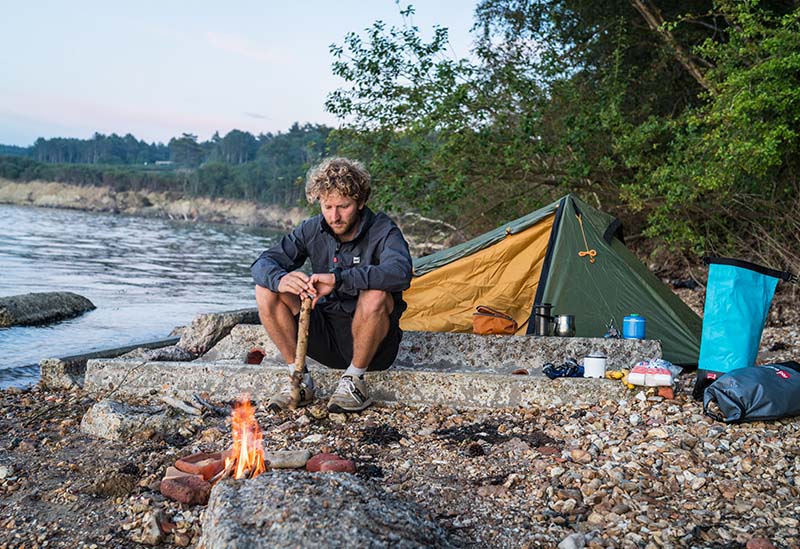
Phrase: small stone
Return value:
(338, 418)
(492, 490)
(759, 543)
(151, 532)
(303, 421)
(595, 518)
(182, 540)
(635, 419)
(338, 466)
(698, 483)
(620, 509)
(666, 392)
(287, 459)
(658, 432)
(5, 472)
(556, 472)
(313, 464)
(191, 490)
(573, 541)
(205, 465)
(728, 489)
(313, 439)
(580, 456)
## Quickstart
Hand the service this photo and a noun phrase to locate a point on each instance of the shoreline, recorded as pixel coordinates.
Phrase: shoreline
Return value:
(45, 194)
(424, 236)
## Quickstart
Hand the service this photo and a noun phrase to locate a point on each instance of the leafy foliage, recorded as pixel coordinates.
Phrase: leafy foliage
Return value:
(678, 117)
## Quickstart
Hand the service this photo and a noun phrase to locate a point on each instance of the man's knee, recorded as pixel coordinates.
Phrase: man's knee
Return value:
(375, 302)
(266, 297)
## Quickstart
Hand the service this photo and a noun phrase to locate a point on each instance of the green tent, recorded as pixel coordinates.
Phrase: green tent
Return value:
(567, 254)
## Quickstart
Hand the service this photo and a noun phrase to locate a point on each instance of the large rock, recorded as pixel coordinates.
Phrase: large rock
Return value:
(118, 421)
(206, 330)
(298, 509)
(41, 308)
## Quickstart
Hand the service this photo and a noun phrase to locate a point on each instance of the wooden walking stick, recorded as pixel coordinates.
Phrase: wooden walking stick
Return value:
(300, 353)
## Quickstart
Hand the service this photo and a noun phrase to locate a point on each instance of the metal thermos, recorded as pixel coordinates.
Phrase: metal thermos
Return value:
(542, 319)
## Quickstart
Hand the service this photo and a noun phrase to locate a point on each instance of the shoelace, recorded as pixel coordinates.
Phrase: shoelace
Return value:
(346, 385)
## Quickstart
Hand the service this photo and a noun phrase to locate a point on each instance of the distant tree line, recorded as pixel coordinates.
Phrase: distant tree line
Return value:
(265, 168)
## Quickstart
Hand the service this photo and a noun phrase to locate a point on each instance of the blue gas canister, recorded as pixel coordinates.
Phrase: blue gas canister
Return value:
(633, 327)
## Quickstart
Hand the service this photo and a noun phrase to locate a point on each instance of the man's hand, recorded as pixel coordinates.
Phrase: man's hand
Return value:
(297, 283)
(323, 284)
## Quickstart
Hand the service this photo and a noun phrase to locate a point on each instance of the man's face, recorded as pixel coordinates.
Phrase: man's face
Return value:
(341, 213)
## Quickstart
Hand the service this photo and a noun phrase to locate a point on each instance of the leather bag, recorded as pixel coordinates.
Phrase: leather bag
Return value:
(488, 321)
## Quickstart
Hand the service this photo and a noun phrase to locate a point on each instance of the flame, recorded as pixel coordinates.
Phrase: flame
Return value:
(248, 444)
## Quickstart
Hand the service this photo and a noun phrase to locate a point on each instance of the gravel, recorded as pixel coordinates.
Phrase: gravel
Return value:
(638, 472)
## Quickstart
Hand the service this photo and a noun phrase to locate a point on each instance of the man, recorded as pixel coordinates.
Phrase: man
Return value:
(360, 264)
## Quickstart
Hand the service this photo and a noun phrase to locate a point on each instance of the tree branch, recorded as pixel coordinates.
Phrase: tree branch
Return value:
(656, 23)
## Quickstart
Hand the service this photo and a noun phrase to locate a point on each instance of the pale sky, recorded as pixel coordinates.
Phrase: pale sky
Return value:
(157, 69)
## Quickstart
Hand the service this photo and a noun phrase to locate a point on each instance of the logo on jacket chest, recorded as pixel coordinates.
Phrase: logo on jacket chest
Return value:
(356, 260)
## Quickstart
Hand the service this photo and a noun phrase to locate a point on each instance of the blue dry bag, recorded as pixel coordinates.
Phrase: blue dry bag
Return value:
(738, 296)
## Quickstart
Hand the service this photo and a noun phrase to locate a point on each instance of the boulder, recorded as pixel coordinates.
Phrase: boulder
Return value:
(118, 421)
(206, 330)
(299, 509)
(41, 308)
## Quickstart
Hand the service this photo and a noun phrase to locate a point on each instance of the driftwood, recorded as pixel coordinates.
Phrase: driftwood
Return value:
(225, 473)
(181, 405)
(216, 410)
(300, 352)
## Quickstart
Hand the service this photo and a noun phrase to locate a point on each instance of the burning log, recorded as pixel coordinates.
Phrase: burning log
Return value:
(246, 457)
(300, 352)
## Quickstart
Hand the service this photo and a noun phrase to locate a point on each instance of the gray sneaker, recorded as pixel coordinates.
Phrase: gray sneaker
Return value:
(281, 400)
(350, 396)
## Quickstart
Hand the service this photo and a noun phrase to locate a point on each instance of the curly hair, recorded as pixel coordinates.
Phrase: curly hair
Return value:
(347, 177)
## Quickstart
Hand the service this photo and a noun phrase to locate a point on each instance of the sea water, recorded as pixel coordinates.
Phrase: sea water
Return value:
(145, 275)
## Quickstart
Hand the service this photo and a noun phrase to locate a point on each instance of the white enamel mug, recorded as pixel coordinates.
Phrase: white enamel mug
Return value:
(594, 365)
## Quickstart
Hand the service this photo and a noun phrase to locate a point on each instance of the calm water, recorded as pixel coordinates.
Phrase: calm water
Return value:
(145, 276)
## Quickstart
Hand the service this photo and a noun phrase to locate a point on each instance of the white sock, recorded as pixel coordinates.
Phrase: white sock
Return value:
(353, 371)
(307, 379)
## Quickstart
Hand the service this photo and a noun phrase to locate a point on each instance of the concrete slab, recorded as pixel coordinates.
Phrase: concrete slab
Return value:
(451, 352)
(461, 370)
(227, 381)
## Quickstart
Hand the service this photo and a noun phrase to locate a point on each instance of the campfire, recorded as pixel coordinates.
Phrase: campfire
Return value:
(246, 458)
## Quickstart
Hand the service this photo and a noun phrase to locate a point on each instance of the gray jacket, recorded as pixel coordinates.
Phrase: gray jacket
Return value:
(376, 259)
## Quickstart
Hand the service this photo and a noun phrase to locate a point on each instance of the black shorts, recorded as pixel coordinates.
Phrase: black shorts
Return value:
(330, 338)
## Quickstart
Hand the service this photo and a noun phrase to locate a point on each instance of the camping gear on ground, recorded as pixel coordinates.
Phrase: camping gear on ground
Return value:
(611, 331)
(488, 321)
(594, 365)
(542, 319)
(738, 296)
(570, 368)
(755, 394)
(564, 326)
(655, 372)
(533, 261)
(633, 327)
